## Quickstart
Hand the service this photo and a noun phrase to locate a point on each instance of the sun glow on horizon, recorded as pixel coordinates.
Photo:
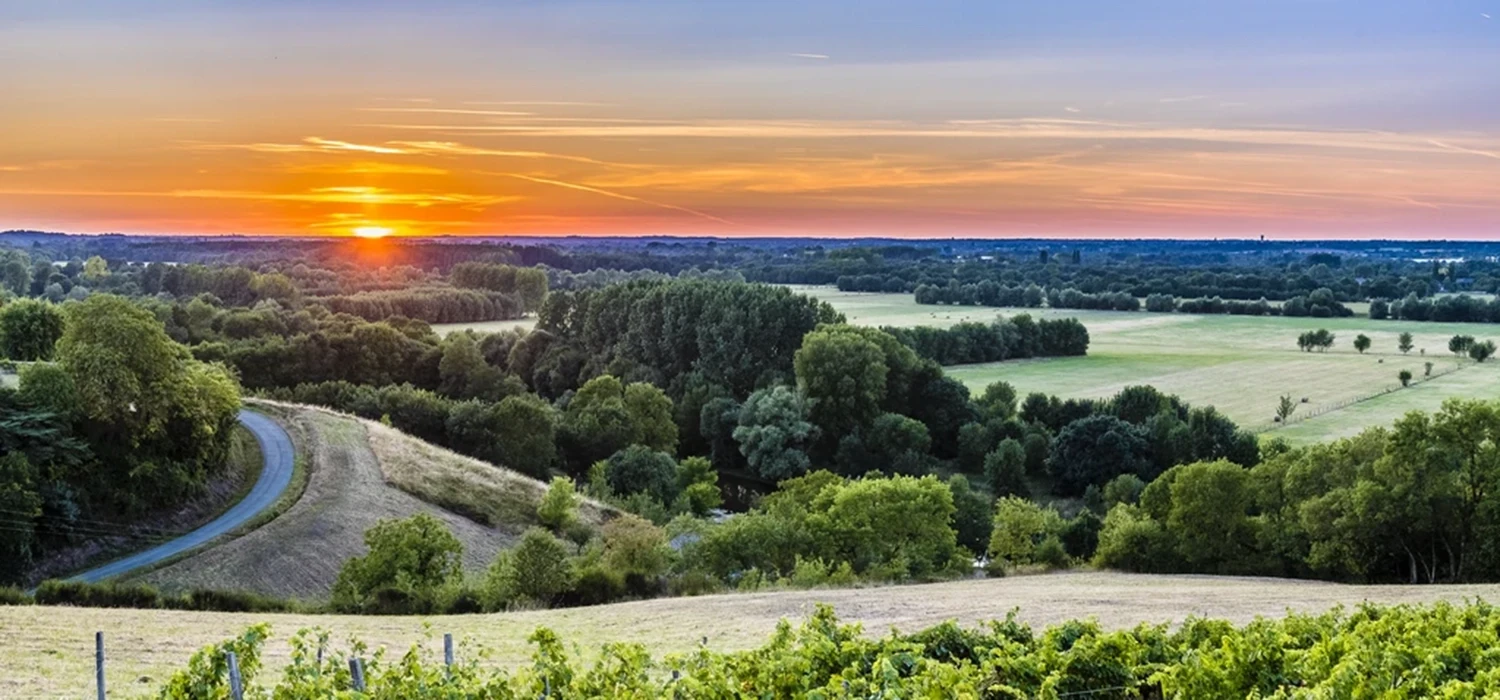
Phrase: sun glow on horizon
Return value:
(372, 231)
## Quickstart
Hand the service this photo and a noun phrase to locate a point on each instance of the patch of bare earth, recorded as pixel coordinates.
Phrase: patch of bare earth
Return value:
(48, 652)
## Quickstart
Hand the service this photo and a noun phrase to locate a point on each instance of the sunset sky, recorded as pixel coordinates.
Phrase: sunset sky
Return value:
(1202, 118)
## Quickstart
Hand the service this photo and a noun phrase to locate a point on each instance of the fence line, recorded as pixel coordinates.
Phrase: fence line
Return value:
(1345, 403)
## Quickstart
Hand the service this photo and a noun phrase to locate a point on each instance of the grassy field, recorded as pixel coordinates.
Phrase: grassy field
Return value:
(48, 652)
(359, 473)
(525, 324)
(1240, 364)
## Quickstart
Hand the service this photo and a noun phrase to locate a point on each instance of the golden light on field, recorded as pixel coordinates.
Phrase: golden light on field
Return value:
(372, 231)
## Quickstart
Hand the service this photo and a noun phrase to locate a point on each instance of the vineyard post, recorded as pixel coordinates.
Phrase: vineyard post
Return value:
(236, 685)
(448, 652)
(99, 662)
(357, 674)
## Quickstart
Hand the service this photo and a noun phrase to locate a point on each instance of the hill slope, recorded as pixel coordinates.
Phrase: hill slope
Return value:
(48, 652)
(360, 472)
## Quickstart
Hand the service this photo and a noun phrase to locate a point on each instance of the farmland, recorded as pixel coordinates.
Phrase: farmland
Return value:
(1239, 364)
(48, 652)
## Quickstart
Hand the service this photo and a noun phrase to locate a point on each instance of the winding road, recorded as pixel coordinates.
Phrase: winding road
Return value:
(275, 477)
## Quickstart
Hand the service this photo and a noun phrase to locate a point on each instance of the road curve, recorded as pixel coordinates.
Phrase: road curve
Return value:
(275, 477)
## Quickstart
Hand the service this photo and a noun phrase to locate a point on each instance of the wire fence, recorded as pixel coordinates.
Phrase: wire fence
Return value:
(1321, 409)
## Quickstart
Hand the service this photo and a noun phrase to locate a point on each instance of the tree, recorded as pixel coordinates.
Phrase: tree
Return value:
(1482, 351)
(531, 287)
(975, 440)
(1209, 518)
(1020, 527)
(1459, 344)
(29, 330)
(775, 434)
(538, 570)
(95, 269)
(20, 505)
(635, 547)
(558, 508)
(463, 373)
(698, 484)
(844, 374)
(606, 416)
(1285, 407)
(1405, 377)
(639, 469)
(1005, 469)
(414, 557)
(1361, 343)
(897, 527)
(1094, 450)
(971, 515)
(1404, 342)
(997, 402)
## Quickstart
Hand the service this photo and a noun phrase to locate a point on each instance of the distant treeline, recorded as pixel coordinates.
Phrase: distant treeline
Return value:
(1460, 308)
(1006, 339)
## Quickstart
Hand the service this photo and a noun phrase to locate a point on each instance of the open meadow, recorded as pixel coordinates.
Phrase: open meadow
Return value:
(1240, 364)
(47, 652)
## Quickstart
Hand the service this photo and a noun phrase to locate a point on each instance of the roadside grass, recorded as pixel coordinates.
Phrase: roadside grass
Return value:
(1241, 365)
(48, 651)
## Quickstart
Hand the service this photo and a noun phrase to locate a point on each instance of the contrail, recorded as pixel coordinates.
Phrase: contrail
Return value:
(617, 195)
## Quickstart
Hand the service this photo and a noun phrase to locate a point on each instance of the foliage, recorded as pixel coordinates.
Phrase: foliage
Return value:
(1320, 340)
(558, 508)
(606, 416)
(411, 559)
(537, 570)
(1021, 526)
(1094, 450)
(1361, 343)
(1404, 342)
(1405, 377)
(972, 519)
(1005, 469)
(29, 330)
(774, 433)
(638, 469)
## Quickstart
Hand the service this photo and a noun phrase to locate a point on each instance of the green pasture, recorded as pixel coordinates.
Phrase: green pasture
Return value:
(1240, 364)
(525, 324)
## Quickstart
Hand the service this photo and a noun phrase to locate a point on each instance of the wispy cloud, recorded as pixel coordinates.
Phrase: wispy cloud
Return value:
(1073, 110)
(369, 168)
(536, 103)
(617, 195)
(818, 56)
(1188, 98)
(442, 110)
(311, 144)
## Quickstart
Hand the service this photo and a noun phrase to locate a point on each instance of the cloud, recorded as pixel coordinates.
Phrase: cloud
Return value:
(186, 120)
(458, 149)
(441, 110)
(369, 168)
(352, 195)
(537, 103)
(1073, 110)
(1189, 98)
(617, 195)
(808, 55)
(311, 144)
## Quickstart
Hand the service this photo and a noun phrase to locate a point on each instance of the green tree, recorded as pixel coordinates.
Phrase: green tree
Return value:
(1005, 469)
(698, 484)
(975, 440)
(844, 374)
(1285, 407)
(1482, 351)
(896, 444)
(639, 469)
(1404, 342)
(414, 557)
(1209, 518)
(897, 527)
(463, 373)
(531, 287)
(558, 508)
(634, 546)
(29, 330)
(606, 416)
(1094, 450)
(998, 402)
(20, 505)
(1020, 527)
(1405, 377)
(537, 570)
(1459, 344)
(1361, 343)
(971, 515)
(774, 433)
(95, 269)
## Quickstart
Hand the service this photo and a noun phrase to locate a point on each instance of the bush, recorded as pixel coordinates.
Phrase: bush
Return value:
(558, 508)
(10, 595)
(537, 571)
(1052, 554)
(596, 584)
(96, 595)
(639, 469)
(409, 560)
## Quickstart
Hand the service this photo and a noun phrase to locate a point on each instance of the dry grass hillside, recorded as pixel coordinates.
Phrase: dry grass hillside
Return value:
(360, 472)
(48, 652)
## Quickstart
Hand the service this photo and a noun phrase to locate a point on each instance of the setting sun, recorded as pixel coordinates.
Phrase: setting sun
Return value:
(372, 231)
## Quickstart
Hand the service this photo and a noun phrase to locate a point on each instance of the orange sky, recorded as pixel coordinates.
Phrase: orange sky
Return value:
(273, 122)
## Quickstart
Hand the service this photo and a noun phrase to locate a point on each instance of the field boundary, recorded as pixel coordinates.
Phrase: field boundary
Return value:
(1325, 409)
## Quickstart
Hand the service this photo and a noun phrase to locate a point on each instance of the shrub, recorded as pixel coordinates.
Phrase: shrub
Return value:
(537, 570)
(409, 560)
(633, 545)
(558, 508)
(97, 595)
(10, 595)
(639, 469)
(1052, 554)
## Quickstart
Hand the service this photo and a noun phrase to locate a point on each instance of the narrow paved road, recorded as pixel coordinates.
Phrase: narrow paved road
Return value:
(275, 477)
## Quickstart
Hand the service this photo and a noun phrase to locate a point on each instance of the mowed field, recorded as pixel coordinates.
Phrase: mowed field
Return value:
(1240, 364)
(48, 652)
(524, 324)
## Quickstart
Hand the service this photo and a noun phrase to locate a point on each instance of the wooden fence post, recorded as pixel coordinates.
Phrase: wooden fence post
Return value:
(99, 662)
(236, 685)
(448, 652)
